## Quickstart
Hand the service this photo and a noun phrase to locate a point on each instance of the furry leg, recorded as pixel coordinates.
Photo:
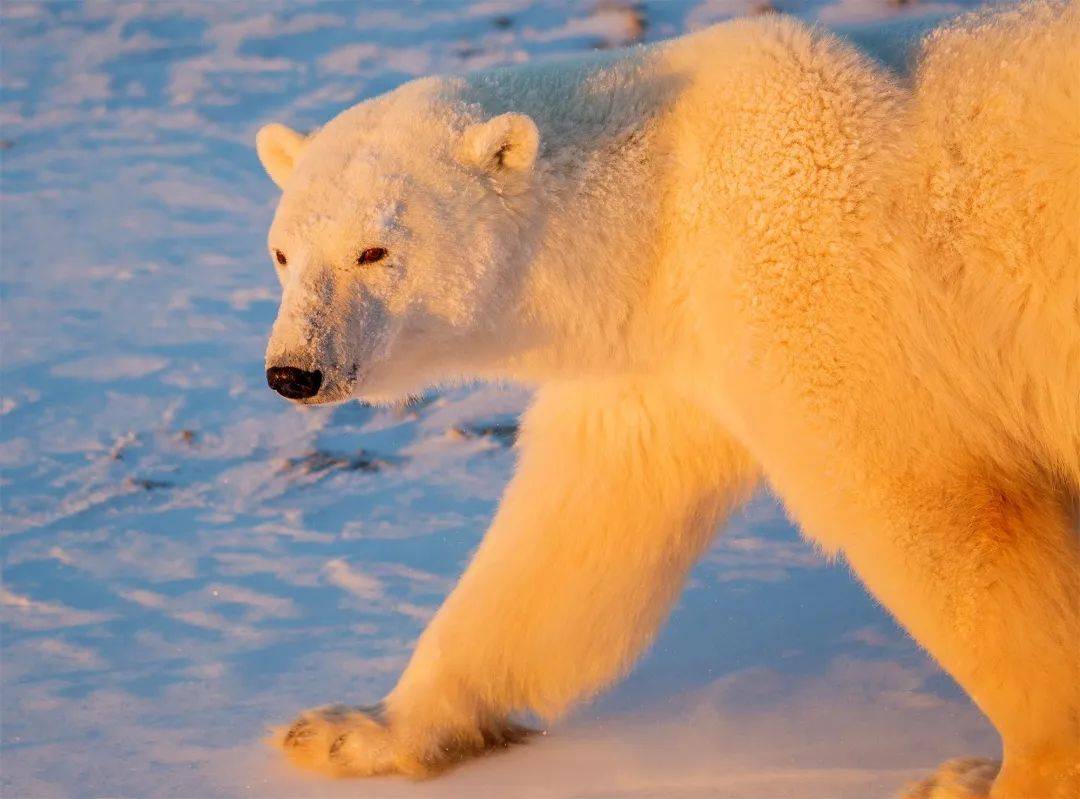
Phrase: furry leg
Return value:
(986, 576)
(619, 487)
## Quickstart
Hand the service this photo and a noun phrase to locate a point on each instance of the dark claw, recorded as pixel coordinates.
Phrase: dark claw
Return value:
(516, 734)
(298, 732)
(507, 735)
(336, 712)
(376, 712)
(339, 742)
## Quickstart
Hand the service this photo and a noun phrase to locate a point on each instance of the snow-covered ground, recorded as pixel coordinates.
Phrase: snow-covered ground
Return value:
(187, 559)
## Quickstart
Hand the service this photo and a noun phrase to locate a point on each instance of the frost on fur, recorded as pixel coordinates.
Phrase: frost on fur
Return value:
(746, 252)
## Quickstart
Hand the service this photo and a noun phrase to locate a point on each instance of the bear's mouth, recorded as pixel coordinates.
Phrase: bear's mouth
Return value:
(331, 397)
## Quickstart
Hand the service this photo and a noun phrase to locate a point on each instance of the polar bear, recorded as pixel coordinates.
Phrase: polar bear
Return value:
(748, 253)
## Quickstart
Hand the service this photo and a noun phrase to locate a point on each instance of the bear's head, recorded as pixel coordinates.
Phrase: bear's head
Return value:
(397, 241)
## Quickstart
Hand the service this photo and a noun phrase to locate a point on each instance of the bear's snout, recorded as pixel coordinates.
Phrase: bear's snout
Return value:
(293, 383)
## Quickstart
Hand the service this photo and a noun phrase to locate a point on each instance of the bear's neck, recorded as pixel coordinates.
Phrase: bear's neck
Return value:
(596, 254)
(593, 266)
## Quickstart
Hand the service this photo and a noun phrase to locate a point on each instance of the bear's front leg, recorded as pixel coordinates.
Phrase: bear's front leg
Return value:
(619, 487)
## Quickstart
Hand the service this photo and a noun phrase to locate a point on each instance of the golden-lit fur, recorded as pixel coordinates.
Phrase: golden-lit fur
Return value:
(756, 253)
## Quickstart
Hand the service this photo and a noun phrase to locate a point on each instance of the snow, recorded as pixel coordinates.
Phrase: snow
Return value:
(188, 560)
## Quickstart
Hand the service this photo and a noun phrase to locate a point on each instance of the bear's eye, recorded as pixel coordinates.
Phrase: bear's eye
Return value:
(280, 256)
(371, 255)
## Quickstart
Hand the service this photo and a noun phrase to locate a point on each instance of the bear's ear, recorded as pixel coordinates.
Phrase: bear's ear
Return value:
(279, 147)
(506, 143)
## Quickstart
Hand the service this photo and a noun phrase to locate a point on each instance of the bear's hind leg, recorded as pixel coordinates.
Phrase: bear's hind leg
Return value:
(986, 575)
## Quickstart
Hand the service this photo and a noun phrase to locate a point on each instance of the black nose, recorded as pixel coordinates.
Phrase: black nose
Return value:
(288, 381)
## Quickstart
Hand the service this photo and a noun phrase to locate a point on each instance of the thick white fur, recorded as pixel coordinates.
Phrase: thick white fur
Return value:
(745, 251)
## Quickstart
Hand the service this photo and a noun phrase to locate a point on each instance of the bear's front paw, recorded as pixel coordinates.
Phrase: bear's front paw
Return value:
(345, 741)
(341, 741)
(961, 778)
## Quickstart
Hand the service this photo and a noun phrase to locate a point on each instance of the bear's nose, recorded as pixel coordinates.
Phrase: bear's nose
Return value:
(293, 383)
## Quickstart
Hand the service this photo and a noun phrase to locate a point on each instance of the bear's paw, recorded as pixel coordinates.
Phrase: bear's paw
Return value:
(960, 778)
(347, 741)
(340, 740)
